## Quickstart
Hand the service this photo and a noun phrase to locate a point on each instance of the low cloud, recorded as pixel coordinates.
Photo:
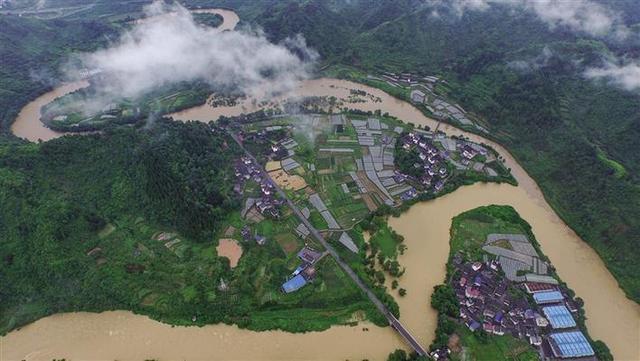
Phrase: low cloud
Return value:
(626, 76)
(170, 47)
(579, 15)
(535, 63)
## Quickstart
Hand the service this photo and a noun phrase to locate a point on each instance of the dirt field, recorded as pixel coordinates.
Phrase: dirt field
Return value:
(229, 248)
(284, 180)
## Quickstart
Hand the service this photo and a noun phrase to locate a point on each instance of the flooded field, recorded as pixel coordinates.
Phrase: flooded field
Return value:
(230, 249)
(611, 316)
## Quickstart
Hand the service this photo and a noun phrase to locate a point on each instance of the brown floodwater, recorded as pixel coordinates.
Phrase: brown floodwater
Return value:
(230, 18)
(611, 316)
(121, 335)
(230, 249)
(28, 125)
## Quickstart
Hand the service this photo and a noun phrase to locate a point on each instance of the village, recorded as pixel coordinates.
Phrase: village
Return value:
(338, 169)
(511, 292)
(425, 91)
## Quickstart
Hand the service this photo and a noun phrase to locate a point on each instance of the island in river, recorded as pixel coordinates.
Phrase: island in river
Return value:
(502, 299)
(424, 262)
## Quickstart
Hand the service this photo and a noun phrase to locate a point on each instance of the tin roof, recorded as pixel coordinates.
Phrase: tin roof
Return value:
(294, 284)
(559, 316)
(547, 297)
(570, 344)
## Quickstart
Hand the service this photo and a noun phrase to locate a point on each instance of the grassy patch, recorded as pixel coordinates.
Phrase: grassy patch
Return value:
(493, 348)
(383, 240)
(618, 169)
(469, 231)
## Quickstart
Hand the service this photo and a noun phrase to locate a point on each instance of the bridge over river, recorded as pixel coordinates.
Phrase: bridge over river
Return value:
(393, 321)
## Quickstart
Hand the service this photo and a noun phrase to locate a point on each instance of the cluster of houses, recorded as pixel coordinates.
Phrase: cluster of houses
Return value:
(423, 92)
(267, 204)
(245, 169)
(541, 312)
(248, 235)
(408, 79)
(472, 156)
(305, 272)
(283, 150)
(463, 155)
(433, 166)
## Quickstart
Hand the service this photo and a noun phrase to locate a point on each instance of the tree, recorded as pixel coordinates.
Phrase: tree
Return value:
(397, 355)
(402, 292)
(602, 351)
(444, 300)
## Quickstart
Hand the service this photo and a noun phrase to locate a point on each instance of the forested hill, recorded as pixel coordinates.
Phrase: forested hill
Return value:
(575, 136)
(75, 209)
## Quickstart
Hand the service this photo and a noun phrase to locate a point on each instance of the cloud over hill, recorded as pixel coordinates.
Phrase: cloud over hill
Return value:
(578, 15)
(170, 47)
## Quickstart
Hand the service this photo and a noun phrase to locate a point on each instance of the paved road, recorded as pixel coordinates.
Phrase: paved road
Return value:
(406, 335)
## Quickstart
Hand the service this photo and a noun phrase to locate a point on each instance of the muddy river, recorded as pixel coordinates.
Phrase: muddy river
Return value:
(121, 335)
(28, 125)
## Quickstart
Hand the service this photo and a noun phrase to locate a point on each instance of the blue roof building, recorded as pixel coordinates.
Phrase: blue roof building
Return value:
(559, 316)
(473, 325)
(542, 298)
(294, 284)
(570, 345)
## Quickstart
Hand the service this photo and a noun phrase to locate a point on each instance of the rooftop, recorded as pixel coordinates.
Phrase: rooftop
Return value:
(309, 255)
(294, 284)
(547, 297)
(559, 316)
(570, 344)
